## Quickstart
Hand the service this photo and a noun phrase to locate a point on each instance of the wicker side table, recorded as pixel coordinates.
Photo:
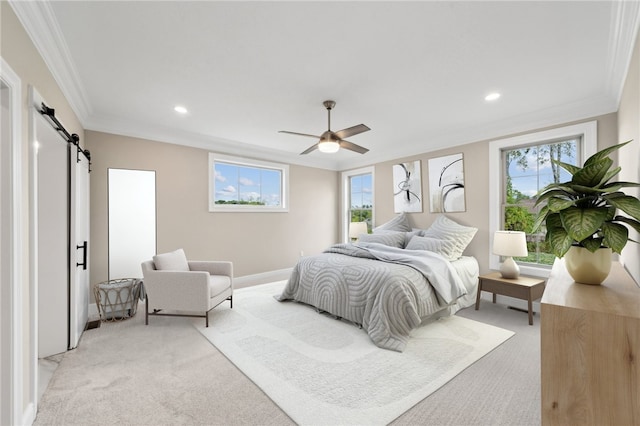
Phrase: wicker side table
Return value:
(117, 299)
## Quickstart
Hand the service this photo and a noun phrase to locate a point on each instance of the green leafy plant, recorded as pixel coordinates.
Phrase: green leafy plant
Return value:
(582, 211)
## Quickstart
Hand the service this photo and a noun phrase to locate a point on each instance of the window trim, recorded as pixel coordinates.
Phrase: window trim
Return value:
(346, 201)
(235, 208)
(588, 131)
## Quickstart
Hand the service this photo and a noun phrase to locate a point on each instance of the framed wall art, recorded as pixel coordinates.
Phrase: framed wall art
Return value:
(407, 187)
(446, 184)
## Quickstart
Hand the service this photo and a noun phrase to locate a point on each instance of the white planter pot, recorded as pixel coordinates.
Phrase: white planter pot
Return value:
(586, 267)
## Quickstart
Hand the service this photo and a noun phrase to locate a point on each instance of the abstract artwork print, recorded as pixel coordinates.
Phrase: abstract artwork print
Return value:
(446, 184)
(407, 187)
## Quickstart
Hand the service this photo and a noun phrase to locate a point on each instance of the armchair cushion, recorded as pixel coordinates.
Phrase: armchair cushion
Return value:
(172, 261)
(218, 284)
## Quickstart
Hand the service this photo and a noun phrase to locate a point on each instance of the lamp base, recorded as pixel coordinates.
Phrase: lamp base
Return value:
(510, 268)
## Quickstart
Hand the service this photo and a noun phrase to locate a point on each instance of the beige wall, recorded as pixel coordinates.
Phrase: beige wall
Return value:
(255, 242)
(629, 156)
(273, 239)
(476, 175)
(19, 52)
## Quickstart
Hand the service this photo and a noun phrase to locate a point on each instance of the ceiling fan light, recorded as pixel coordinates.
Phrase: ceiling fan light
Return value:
(328, 147)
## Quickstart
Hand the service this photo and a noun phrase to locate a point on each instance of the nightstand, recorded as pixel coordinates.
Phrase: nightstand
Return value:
(525, 288)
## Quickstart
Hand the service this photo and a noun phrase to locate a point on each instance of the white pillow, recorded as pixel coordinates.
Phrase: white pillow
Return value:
(172, 261)
(388, 238)
(398, 223)
(446, 229)
(445, 248)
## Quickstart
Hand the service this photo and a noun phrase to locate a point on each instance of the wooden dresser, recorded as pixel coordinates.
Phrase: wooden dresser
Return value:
(590, 350)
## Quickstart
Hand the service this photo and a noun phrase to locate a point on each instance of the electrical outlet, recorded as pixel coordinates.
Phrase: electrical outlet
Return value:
(301, 253)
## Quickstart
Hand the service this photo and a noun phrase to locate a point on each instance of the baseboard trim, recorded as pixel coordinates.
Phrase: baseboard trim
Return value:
(93, 311)
(262, 278)
(29, 414)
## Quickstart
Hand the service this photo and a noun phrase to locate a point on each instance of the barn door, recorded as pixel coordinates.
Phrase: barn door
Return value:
(60, 231)
(79, 287)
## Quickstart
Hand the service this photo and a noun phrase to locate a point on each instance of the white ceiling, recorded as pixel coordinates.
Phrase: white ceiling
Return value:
(415, 72)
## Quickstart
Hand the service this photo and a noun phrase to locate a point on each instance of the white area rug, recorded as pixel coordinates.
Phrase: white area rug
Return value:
(321, 371)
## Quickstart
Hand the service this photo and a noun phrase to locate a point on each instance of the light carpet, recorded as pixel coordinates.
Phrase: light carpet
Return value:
(323, 371)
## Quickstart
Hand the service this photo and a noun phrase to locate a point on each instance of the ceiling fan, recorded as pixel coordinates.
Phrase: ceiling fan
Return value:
(332, 141)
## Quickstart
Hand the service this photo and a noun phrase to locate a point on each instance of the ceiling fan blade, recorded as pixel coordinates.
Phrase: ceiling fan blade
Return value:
(299, 134)
(310, 149)
(353, 147)
(351, 131)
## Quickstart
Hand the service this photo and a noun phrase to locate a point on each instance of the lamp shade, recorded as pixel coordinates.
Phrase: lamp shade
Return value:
(356, 229)
(510, 243)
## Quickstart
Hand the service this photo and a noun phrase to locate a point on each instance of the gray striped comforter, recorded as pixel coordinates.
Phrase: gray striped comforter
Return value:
(389, 291)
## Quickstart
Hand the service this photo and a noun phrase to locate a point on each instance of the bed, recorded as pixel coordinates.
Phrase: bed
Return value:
(388, 286)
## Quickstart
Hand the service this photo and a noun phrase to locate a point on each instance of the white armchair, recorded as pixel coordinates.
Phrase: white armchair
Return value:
(185, 287)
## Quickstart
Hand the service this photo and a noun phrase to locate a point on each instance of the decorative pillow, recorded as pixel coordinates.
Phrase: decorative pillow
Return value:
(445, 248)
(409, 235)
(446, 229)
(398, 223)
(388, 238)
(172, 261)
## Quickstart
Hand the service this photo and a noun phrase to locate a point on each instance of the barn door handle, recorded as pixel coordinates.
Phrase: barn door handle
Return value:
(84, 255)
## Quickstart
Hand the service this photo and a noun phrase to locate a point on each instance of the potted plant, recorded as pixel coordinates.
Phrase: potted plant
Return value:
(581, 216)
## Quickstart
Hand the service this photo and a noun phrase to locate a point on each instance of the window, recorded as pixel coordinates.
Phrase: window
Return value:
(240, 185)
(357, 198)
(525, 171)
(361, 204)
(518, 168)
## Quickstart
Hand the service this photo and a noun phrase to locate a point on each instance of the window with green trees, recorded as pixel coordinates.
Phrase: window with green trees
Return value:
(527, 170)
(361, 198)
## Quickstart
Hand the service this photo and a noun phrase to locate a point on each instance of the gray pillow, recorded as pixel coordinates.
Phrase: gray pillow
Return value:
(172, 261)
(388, 238)
(398, 223)
(445, 248)
(409, 235)
(446, 229)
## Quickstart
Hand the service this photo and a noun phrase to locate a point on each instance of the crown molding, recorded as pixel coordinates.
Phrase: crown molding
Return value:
(550, 117)
(195, 140)
(41, 25)
(625, 20)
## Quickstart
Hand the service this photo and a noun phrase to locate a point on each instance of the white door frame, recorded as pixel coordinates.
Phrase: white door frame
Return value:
(35, 102)
(12, 345)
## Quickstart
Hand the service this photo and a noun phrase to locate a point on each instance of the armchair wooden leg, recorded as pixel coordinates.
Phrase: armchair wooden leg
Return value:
(146, 310)
(207, 319)
(231, 301)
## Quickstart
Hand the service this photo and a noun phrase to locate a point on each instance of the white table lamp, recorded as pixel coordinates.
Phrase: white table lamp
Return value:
(509, 244)
(356, 229)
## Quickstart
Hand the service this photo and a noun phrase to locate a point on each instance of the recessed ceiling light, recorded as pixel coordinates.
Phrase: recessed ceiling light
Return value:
(180, 109)
(492, 96)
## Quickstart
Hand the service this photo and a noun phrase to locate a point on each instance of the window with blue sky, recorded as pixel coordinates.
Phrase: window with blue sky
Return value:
(245, 184)
(531, 169)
